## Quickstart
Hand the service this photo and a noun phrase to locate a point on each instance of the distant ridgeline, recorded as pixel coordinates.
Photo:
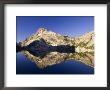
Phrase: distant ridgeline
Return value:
(46, 43)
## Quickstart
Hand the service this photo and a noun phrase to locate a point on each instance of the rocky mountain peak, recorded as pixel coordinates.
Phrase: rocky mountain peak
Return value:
(41, 30)
(56, 39)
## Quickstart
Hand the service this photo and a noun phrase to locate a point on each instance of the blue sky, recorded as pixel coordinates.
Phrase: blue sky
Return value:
(65, 25)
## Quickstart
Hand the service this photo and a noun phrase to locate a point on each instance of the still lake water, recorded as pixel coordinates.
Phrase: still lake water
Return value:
(25, 66)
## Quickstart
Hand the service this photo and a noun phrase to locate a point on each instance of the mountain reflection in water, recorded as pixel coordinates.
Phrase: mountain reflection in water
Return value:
(53, 58)
(24, 65)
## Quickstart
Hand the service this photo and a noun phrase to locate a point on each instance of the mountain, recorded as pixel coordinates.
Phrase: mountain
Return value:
(53, 42)
(50, 37)
(85, 43)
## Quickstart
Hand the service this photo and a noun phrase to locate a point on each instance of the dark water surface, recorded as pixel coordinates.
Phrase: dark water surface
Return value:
(25, 66)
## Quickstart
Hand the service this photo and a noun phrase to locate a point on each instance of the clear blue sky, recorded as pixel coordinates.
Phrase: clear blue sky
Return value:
(65, 25)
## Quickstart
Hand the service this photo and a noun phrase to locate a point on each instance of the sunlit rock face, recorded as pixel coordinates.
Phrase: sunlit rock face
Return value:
(50, 37)
(85, 43)
(47, 48)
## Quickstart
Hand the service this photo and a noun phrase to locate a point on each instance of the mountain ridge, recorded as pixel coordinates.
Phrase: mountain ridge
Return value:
(56, 39)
